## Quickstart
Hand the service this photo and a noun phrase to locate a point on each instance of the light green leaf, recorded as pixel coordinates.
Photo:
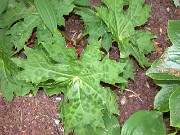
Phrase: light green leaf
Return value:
(22, 30)
(175, 133)
(47, 13)
(5, 44)
(82, 2)
(94, 26)
(63, 7)
(9, 80)
(58, 43)
(13, 14)
(122, 26)
(144, 123)
(107, 41)
(3, 5)
(161, 101)
(111, 127)
(174, 105)
(176, 3)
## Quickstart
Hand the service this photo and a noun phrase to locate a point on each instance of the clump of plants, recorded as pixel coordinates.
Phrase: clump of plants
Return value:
(34, 53)
(166, 74)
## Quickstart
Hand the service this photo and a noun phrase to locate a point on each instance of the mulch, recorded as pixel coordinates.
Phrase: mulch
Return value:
(39, 115)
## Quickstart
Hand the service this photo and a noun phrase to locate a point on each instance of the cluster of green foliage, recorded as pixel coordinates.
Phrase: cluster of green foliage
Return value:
(176, 3)
(87, 107)
(166, 73)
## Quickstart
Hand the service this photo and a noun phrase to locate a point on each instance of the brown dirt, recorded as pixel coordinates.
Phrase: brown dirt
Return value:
(36, 115)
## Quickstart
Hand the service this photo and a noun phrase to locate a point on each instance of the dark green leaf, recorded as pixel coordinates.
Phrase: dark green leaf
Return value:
(174, 105)
(161, 101)
(144, 123)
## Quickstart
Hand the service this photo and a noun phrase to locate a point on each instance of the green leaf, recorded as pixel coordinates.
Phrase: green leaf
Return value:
(175, 133)
(3, 5)
(47, 13)
(63, 7)
(9, 80)
(83, 95)
(94, 26)
(5, 44)
(82, 2)
(166, 73)
(15, 12)
(111, 127)
(161, 101)
(22, 30)
(168, 67)
(122, 26)
(174, 105)
(176, 3)
(174, 31)
(144, 123)
(107, 41)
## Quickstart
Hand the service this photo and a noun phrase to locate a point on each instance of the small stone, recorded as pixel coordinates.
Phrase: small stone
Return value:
(123, 100)
(58, 98)
(57, 122)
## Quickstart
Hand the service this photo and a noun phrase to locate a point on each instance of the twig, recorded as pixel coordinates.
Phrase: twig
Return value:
(135, 94)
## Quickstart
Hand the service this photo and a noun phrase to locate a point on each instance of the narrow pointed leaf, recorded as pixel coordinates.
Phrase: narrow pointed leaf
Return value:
(47, 13)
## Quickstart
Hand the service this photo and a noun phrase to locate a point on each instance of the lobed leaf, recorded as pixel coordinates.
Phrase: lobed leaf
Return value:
(63, 7)
(10, 83)
(15, 12)
(22, 30)
(122, 23)
(78, 79)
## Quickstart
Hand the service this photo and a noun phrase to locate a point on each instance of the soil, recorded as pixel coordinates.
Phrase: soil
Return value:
(39, 115)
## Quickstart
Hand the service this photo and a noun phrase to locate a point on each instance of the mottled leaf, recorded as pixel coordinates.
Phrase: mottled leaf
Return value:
(83, 95)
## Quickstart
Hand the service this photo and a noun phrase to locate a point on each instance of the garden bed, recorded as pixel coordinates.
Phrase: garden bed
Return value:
(37, 115)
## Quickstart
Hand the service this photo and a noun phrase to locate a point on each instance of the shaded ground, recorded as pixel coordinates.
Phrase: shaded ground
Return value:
(36, 115)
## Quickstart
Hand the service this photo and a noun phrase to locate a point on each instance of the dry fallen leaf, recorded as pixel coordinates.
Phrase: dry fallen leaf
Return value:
(157, 48)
